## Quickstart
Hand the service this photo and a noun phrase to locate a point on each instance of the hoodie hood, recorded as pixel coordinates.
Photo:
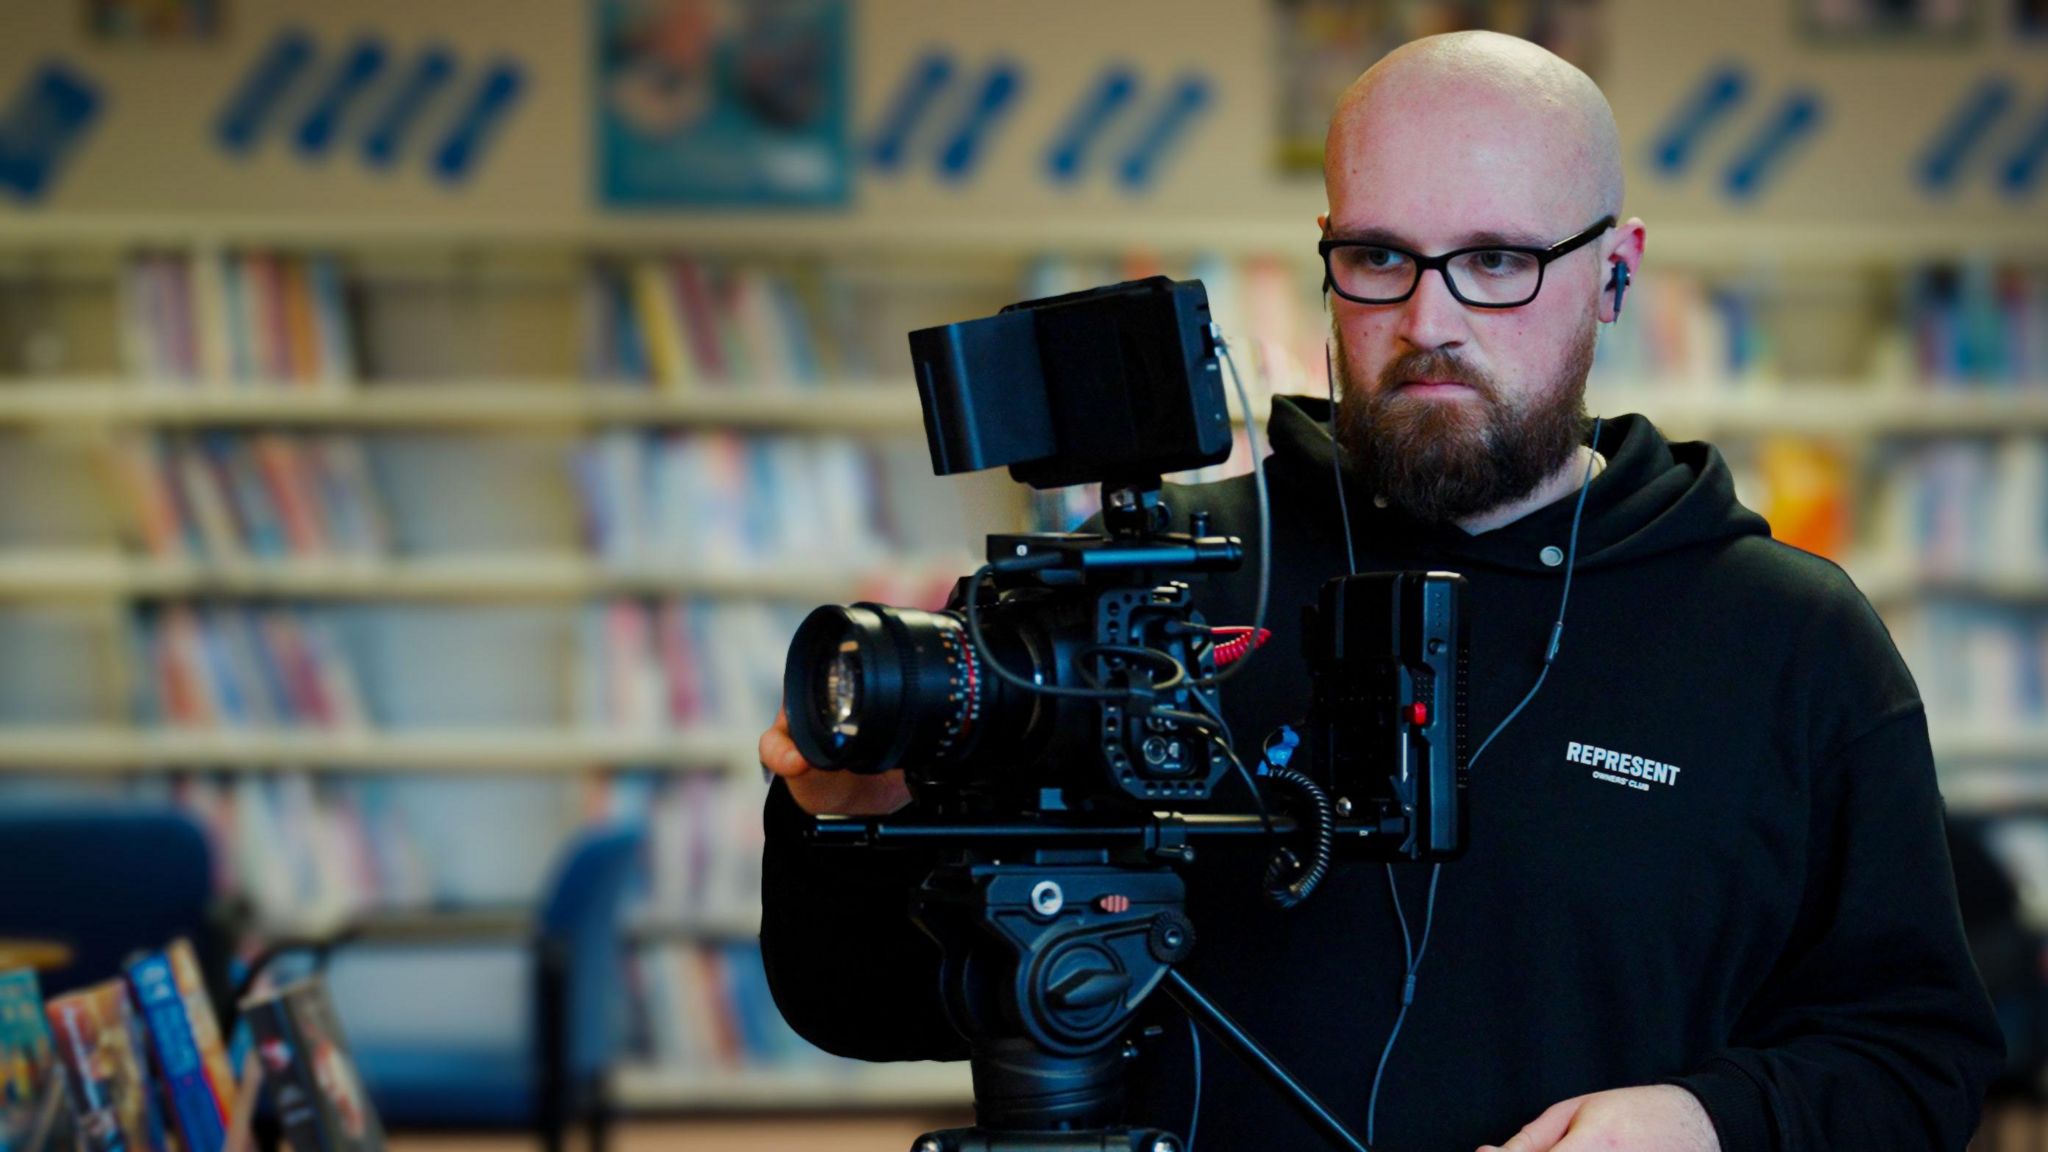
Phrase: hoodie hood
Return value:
(1654, 496)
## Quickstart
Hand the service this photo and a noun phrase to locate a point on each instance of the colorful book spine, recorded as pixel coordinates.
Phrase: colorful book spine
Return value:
(27, 1064)
(186, 1047)
(102, 1045)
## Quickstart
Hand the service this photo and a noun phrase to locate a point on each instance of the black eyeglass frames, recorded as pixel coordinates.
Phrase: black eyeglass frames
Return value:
(1488, 276)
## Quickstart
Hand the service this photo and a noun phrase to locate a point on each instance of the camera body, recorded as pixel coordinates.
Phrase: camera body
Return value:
(1073, 610)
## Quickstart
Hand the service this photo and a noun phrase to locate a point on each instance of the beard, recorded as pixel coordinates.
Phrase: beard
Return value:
(1444, 460)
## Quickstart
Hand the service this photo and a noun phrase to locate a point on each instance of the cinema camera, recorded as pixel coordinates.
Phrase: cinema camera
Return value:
(1059, 727)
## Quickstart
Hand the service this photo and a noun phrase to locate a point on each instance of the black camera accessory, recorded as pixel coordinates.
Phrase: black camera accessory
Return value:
(1388, 652)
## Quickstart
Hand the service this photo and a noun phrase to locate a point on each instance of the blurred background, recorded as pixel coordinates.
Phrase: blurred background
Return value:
(422, 424)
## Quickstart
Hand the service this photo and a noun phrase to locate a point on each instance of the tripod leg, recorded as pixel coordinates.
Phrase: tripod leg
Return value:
(1227, 1030)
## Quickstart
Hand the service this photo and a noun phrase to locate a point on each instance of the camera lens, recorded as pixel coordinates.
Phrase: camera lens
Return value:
(837, 694)
(869, 687)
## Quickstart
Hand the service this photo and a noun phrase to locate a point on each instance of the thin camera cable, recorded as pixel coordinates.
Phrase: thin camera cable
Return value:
(1414, 955)
(1336, 463)
(1253, 441)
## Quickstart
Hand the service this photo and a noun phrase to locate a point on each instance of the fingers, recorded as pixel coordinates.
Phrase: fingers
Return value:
(1542, 1133)
(778, 752)
(828, 793)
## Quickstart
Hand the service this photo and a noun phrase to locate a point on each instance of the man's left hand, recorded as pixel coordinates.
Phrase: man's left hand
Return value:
(1653, 1118)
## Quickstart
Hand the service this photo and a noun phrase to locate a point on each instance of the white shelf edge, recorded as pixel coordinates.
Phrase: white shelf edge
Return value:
(649, 1088)
(90, 573)
(848, 405)
(1831, 408)
(533, 750)
(2011, 235)
(1826, 407)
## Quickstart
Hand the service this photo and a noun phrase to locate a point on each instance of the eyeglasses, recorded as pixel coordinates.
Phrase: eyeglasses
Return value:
(1491, 276)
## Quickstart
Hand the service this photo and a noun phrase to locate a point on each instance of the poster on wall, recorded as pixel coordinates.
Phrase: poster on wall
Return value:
(1848, 21)
(739, 103)
(1324, 44)
(153, 21)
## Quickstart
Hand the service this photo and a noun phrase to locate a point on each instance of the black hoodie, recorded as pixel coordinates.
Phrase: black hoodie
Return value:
(1709, 852)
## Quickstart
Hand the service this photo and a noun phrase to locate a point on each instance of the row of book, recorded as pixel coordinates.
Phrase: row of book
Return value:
(1982, 668)
(1684, 332)
(707, 1008)
(680, 321)
(648, 665)
(1965, 507)
(293, 848)
(269, 495)
(138, 1063)
(242, 318)
(241, 667)
(1979, 323)
(704, 842)
(1937, 509)
(723, 500)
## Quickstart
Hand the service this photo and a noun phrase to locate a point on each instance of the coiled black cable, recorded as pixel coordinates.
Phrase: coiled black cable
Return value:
(1322, 842)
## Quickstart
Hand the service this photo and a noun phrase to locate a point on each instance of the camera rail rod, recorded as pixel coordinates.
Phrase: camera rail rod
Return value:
(1164, 828)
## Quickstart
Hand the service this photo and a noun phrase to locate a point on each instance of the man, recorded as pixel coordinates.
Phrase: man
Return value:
(1707, 902)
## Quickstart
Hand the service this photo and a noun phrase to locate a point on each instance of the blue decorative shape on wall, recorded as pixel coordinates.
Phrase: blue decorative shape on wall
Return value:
(983, 115)
(1716, 97)
(1156, 141)
(43, 125)
(922, 86)
(431, 71)
(2022, 171)
(488, 106)
(351, 78)
(1112, 92)
(1967, 127)
(264, 87)
(1797, 117)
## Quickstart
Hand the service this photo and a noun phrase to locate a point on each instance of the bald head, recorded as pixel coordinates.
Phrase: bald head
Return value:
(1504, 110)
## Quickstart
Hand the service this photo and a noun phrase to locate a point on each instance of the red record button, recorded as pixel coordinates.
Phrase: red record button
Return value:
(1417, 713)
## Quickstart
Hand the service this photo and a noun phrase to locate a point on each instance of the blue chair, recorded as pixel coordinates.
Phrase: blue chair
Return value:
(105, 881)
(512, 1032)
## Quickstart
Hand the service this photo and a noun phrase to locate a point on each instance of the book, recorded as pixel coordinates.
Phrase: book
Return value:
(186, 1051)
(312, 1080)
(28, 1078)
(103, 1050)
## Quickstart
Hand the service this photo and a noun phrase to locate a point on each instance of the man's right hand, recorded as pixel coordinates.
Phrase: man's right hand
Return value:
(823, 793)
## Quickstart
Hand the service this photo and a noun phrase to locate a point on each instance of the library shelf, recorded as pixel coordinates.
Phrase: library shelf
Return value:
(654, 1088)
(1846, 408)
(840, 406)
(110, 749)
(1841, 409)
(1289, 230)
(1961, 743)
(91, 574)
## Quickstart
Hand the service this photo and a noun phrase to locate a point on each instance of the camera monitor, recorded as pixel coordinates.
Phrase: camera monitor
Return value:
(1112, 384)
